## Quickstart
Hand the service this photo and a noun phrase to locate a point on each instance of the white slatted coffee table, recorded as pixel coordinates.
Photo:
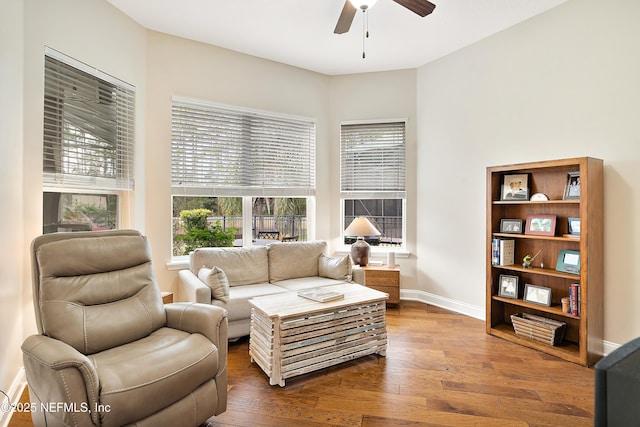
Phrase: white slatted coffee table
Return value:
(291, 335)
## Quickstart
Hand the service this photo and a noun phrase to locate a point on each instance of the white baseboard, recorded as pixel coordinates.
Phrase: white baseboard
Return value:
(442, 302)
(14, 393)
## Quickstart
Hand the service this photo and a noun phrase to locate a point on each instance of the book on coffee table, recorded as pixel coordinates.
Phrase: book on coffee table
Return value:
(321, 295)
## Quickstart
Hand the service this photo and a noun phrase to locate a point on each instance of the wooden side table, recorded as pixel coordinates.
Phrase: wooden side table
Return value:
(380, 277)
(167, 297)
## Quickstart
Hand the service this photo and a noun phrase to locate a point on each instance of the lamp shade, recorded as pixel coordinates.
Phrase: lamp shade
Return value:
(361, 226)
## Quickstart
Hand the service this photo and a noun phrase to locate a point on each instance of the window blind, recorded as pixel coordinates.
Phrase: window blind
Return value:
(88, 129)
(224, 151)
(372, 161)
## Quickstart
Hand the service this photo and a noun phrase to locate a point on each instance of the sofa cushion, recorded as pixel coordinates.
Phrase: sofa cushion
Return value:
(238, 306)
(300, 283)
(217, 280)
(338, 268)
(294, 259)
(243, 266)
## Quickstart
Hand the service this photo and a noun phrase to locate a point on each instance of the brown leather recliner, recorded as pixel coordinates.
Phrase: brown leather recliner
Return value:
(109, 353)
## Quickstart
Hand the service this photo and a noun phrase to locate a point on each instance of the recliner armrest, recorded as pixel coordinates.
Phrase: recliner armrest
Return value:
(206, 319)
(57, 372)
(193, 289)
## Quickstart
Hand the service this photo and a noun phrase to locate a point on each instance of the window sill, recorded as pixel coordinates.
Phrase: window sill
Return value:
(178, 263)
(378, 252)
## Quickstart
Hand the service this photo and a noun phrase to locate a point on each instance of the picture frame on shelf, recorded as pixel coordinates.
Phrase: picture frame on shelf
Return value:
(511, 226)
(515, 187)
(537, 295)
(541, 225)
(568, 261)
(508, 286)
(572, 188)
(574, 226)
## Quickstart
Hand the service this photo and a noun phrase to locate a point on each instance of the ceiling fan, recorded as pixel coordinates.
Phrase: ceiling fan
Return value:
(419, 7)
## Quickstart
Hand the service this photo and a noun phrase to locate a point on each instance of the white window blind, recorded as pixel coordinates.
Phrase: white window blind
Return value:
(372, 161)
(224, 151)
(88, 128)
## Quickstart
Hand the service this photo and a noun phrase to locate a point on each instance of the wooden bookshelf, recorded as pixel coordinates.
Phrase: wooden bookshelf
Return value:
(582, 342)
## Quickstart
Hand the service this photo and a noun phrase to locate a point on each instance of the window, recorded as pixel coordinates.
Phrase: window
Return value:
(88, 145)
(372, 178)
(255, 170)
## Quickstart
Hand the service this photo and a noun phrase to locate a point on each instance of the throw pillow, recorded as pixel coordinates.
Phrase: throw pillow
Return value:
(216, 279)
(338, 268)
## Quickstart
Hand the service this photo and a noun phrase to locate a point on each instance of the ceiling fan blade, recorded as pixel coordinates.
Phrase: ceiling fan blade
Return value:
(346, 18)
(420, 7)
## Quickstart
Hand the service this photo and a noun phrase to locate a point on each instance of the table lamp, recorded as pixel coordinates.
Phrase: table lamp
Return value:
(359, 228)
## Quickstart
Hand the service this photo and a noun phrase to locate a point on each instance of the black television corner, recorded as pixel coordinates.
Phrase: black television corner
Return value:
(617, 382)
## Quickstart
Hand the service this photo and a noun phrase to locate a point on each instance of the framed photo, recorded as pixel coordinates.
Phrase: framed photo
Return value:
(511, 226)
(508, 286)
(572, 189)
(537, 295)
(574, 226)
(568, 261)
(541, 225)
(515, 187)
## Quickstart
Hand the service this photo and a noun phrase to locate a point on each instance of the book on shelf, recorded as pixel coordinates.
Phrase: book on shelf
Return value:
(574, 299)
(321, 294)
(503, 251)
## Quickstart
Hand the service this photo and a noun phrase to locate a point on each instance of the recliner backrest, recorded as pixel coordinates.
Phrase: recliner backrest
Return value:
(95, 291)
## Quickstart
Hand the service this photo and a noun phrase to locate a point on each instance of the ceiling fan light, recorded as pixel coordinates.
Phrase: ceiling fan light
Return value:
(363, 4)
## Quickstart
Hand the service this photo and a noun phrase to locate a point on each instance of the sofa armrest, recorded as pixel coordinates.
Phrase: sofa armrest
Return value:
(193, 289)
(58, 373)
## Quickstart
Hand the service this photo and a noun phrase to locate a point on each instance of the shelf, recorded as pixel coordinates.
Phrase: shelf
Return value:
(566, 350)
(541, 271)
(536, 237)
(545, 202)
(554, 309)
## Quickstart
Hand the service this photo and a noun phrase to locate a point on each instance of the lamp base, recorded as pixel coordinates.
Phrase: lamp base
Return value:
(360, 252)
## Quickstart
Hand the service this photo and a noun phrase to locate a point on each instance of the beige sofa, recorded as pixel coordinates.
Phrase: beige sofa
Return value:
(230, 277)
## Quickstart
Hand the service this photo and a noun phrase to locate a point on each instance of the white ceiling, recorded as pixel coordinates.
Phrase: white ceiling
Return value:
(300, 32)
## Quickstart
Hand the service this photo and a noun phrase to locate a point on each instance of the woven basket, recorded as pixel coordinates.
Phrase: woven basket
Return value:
(538, 328)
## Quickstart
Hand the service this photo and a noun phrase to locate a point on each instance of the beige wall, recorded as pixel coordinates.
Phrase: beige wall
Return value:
(100, 36)
(563, 84)
(12, 249)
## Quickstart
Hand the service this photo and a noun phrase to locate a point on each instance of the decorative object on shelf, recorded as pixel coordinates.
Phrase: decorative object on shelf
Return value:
(528, 259)
(515, 187)
(565, 302)
(538, 328)
(541, 225)
(572, 189)
(568, 261)
(360, 228)
(574, 226)
(537, 294)
(508, 286)
(391, 259)
(513, 226)
(539, 197)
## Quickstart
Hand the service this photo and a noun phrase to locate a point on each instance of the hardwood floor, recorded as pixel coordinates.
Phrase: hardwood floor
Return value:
(441, 369)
